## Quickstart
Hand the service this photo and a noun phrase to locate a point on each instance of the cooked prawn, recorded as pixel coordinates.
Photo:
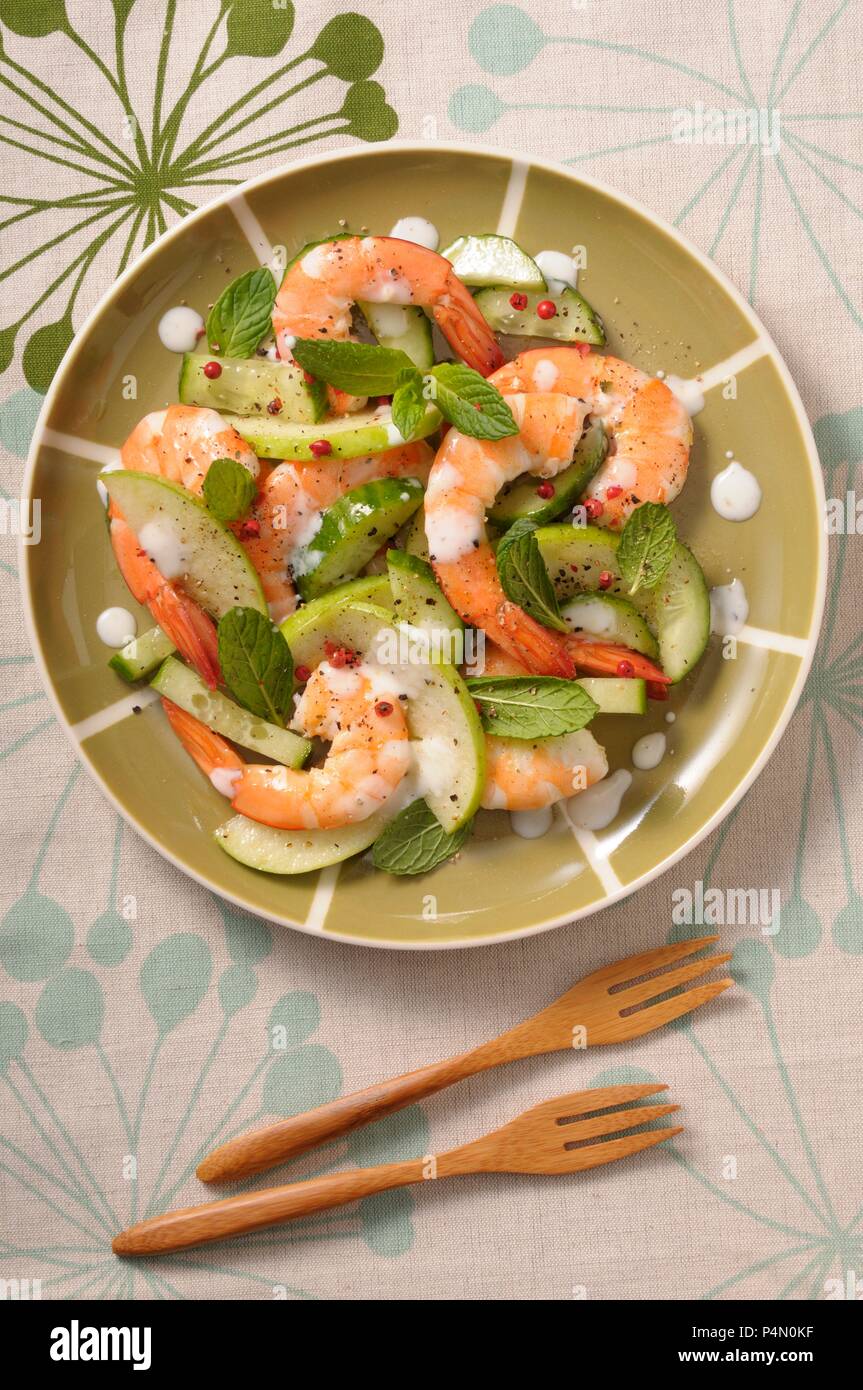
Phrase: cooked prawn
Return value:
(320, 289)
(289, 505)
(525, 776)
(368, 758)
(190, 629)
(466, 477)
(181, 442)
(650, 432)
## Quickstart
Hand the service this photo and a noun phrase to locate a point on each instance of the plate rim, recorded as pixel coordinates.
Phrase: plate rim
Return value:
(513, 157)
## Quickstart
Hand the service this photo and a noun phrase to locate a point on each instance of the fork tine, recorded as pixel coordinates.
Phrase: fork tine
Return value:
(612, 1122)
(562, 1108)
(669, 979)
(596, 1154)
(629, 969)
(656, 1015)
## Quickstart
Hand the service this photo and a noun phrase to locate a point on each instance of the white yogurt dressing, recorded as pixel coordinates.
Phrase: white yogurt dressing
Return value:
(729, 608)
(545, 374)
(735, 493)
(164, 548)
(648, 752)
(115, 627)
(530, 825)
(597, 807)
(417, 229)
(688, 392)
(591, 616)
(180, 328)
(559, 272)
(224, 779)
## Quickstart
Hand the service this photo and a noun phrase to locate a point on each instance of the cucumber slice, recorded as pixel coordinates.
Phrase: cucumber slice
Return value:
(677, 611)
(142, 655)
(439, 707)
(574, 322)
(616, 695)
(610, 619)
(494, 260)
(374, 590)
(247, 385)
(210, 563)
(403, 326)
(352, 530)
(414, 535)
(520, 499)
(296, 851)
(416, 597)
(182, 685)
(367, 431)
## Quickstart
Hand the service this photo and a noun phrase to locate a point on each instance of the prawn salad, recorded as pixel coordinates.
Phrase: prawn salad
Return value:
(395, 576)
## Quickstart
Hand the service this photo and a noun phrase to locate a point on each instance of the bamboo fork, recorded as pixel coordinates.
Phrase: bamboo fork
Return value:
(594, 1011)
(555, 1137)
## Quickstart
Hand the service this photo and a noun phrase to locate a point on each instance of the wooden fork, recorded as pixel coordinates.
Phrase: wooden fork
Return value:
(594, 1011)
(555, 1137)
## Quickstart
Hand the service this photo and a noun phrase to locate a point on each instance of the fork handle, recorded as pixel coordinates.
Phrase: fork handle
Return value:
(262, 1148)
(177, 1230)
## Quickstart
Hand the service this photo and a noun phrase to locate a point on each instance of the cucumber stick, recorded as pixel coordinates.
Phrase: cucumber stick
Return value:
(521, 498)
(185, 688)
(402, 326)
(248, 386)
(574, 321)
(617, 695)
(142, 655)
(352, 530)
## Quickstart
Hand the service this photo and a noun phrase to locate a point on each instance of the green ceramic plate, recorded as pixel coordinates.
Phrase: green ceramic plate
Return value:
(666, 308)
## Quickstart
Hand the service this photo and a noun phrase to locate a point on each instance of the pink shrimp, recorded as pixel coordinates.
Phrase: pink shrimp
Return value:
(321, 287)
(181, 442)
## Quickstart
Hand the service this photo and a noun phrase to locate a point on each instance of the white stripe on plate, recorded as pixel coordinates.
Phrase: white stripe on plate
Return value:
(592, 851)
(512, 200)
(774, 641)
(327, 880)
(103, 454)
(732, 366)
(121, 709)
(252, 229)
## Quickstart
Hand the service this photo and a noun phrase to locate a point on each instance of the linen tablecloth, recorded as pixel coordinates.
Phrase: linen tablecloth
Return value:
(138, 1012)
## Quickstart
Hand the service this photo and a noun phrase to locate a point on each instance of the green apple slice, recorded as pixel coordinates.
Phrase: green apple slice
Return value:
(610, 618)
(296, 851)
(403, 326)
(494, 260)
(440, 710)
(416, 596)
(248, 386)
(186, 541)
(368, 431)
(185, 688)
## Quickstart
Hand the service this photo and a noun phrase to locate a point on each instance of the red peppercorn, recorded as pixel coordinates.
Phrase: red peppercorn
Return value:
(583, 348)
(339, 658)
(545, 490)
(274, 406)
(593, 507)
(518, 301)
(614, 491)
(383, 708)
(606, 579)
(302, 674)
(657, 690)
(319, 448)
(212, 370)
(383, 400)
(250, 528)
(625, 669)
(546, 309)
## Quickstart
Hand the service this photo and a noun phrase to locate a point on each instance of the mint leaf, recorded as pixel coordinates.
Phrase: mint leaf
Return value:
(256, 663)
(241, 317)
(531, 706)
(416, 841)
(646, 546)
(361, 369)
(229, 489)
(409, 404)
(524, 576)
(470, 402)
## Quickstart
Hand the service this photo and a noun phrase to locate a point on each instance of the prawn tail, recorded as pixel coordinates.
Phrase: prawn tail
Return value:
(603, 659)
(191, 630)
(542, 651)
(464, 327)
(208, 750)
